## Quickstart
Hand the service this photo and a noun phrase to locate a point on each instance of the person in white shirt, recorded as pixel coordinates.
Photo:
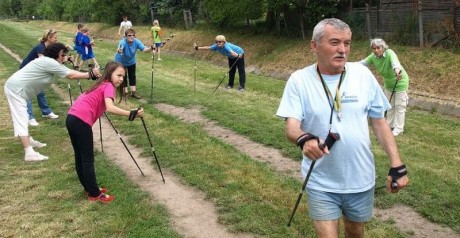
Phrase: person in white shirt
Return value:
(124, 25)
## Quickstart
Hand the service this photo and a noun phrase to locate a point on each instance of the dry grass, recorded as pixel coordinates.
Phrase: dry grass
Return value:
(432, 71)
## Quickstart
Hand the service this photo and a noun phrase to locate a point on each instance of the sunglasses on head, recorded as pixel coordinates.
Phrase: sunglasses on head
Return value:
(50, 32)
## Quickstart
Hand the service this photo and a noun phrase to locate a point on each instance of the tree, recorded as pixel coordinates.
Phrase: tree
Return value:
(226, 13)
(5, 7)
(16, 7)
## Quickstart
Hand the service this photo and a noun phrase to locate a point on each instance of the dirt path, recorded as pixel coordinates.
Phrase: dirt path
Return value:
(192, 215)
(404, 217)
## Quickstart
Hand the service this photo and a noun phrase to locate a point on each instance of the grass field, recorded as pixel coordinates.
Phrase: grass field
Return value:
(45, 199)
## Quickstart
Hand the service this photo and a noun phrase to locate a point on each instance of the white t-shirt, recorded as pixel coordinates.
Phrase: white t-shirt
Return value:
(125, 25)
(350, 166)
(36, 76)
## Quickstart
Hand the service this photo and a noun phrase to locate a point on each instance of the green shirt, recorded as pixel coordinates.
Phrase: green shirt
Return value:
(385, 66)
(156, 34)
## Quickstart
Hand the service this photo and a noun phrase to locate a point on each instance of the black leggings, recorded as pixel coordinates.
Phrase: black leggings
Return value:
(131, 75)
(81, 135)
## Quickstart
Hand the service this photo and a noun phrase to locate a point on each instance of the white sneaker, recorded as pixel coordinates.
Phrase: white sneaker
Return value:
(35, 157)
(396, 132)
(33, 122)
(37, 144)
(51, 116)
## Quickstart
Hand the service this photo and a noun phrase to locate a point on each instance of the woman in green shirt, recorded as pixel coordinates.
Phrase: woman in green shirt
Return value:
(395, 82)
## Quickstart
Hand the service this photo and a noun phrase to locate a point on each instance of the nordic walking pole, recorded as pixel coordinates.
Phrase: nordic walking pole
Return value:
(100, 133)
(391, 97)
(304, 185)
(153, 149)
(329, 142)
(122, 141)
(151, 84)
(225, 75)
(70, 93)
(194, 72)
(100, 123)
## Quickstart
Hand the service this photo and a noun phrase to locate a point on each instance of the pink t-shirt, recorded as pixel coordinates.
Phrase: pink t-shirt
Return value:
(90, 106)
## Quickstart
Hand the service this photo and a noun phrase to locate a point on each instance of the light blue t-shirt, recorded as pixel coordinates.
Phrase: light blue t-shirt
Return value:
(350, 166)
(228, 47)
(128, 57)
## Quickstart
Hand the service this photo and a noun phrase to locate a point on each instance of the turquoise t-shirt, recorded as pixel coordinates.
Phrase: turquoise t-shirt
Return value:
(385, 66)
(128, 57)
(227, 49)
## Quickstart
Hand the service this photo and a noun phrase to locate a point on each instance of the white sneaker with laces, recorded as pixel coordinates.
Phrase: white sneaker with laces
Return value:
(33, 122)
(37, 144)
(396, 132)
(35, 157)
(51, 116)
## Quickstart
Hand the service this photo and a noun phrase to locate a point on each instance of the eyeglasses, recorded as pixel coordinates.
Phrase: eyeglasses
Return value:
(218, 41)
(131, 35)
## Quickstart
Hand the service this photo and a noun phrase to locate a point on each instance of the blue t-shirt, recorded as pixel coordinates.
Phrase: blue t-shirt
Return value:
(33, 54)
(128, 57)
(227, 49)
(349, 168)
(78, 43)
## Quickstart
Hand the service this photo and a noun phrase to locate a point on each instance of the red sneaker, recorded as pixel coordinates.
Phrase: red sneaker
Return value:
(103, 190)
(104, 198)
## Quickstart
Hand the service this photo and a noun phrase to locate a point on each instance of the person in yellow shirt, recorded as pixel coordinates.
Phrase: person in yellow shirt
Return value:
(157, 33)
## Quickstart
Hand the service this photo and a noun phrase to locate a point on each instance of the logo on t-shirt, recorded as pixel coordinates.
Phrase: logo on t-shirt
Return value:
(348, 98)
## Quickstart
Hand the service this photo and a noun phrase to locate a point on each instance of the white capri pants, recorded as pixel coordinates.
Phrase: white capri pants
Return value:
(397, 114)
(18, 108)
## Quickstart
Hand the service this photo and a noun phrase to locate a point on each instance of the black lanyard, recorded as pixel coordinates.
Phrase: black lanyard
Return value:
(334, 102)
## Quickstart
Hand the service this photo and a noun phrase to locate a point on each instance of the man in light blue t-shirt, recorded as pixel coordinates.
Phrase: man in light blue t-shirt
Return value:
(333, 96)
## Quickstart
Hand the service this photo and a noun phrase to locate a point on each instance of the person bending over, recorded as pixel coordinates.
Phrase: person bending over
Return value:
(235, 56)
(27, 82)
(395, 82)
(85, 111)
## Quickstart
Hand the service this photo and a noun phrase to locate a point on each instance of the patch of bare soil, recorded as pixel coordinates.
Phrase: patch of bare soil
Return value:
(404, 218)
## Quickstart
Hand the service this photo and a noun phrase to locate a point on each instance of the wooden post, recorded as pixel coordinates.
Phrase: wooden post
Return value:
(187, 18)
(368, 20)
(420, 23)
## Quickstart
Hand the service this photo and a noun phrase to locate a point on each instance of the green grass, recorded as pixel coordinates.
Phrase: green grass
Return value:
(250, 196)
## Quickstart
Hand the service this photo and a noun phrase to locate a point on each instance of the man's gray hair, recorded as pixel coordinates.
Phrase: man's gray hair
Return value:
(318, 31)
(379, 43)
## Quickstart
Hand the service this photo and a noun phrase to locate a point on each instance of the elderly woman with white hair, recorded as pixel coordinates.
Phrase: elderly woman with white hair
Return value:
(235, 56)
(395, 82)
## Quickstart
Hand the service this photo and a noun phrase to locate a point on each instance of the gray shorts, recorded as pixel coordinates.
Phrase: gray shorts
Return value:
(325, 206)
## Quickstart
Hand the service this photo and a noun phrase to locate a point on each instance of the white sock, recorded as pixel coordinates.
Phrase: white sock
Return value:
(29, 150)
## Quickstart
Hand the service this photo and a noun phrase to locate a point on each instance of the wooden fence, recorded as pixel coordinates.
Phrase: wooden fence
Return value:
(427, 21)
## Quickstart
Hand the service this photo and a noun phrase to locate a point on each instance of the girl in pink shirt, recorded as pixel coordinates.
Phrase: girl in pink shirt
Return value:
(83, 114)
